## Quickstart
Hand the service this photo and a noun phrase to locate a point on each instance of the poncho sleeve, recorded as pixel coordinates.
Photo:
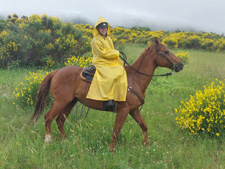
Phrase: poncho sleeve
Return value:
(99, 49)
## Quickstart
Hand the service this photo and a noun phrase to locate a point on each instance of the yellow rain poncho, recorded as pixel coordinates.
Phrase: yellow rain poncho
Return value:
(110, 79)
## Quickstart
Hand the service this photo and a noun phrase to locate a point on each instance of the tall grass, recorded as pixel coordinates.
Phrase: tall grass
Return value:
(88, 139)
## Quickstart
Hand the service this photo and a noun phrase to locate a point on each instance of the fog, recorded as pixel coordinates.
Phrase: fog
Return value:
(166, 15)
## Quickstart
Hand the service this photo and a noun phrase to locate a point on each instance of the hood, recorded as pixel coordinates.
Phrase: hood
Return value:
(100, 20)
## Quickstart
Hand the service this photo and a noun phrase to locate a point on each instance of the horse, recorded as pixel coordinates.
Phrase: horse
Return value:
(67, 88)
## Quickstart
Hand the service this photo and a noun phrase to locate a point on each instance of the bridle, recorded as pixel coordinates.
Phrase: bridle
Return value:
(163, 56)
(124, 58)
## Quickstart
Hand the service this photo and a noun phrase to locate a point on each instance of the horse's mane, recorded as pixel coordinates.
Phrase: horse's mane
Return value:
(139, 60)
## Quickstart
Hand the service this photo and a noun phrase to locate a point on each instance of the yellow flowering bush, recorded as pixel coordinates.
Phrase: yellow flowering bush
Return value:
(184, 56)
(1, 61)
(26, 91)
(28, 41)
(178, 39)
(207, 44)
(170, 42)
(50, 62)
(221, 46)
(79, 61)
(205, 111)
(193, 41)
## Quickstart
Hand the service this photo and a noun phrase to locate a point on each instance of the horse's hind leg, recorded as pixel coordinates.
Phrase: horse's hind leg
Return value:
(62, 117)
(57, 108)
(139, 119)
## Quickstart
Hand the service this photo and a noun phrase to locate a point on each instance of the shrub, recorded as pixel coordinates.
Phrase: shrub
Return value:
(221, 46)
(193, 42)
(184, 56)
(205, 111)
(32, 40)
(28, 41)
(171, 42)
(207, 44)
(25, 93)
(79, 61)
(48, 61)
(1, 61)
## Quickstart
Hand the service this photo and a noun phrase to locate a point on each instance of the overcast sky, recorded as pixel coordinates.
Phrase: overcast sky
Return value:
(166, 15)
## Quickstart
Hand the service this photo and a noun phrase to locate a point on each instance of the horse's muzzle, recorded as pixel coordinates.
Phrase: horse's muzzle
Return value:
(178, 67)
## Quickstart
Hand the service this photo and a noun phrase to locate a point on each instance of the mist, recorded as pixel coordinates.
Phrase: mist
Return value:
(186, 15)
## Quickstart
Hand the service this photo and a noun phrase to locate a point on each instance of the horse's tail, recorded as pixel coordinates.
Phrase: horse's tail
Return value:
(41, 97)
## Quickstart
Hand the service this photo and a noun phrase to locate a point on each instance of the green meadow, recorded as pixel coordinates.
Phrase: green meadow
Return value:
(86, 145)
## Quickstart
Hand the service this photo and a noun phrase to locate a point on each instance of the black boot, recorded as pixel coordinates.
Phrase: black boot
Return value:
(109, 105)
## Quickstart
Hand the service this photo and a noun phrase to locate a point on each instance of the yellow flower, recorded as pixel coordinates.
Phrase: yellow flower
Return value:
(204, 110)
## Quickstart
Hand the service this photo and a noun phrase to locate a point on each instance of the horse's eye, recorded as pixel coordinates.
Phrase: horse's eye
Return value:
(166, 52)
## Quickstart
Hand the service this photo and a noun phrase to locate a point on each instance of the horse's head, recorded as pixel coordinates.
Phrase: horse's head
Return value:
(165, 58)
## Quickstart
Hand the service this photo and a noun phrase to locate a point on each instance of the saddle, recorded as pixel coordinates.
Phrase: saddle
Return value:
(87, 73)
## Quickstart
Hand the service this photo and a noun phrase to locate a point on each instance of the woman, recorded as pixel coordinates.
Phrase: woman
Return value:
(110, 80)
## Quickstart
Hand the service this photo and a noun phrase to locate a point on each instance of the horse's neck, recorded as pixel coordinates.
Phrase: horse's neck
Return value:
(145, 64)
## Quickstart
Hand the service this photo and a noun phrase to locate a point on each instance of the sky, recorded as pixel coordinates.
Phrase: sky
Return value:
(166, 15)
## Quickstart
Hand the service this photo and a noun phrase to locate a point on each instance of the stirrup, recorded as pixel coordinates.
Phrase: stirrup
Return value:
(109, 105)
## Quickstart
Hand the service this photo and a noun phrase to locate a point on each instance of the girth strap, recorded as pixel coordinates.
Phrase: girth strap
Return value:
(134, 92)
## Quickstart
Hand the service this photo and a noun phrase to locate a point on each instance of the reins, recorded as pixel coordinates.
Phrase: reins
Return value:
(124, 59)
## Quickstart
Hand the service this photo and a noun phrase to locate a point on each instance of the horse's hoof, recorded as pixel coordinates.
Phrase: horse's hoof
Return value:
(146, 143)
(47, 138)
(111, 148)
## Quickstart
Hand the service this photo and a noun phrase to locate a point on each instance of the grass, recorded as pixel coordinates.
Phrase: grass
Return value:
(88, 139)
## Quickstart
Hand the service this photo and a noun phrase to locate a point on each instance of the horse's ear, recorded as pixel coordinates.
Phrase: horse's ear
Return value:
(156, 41)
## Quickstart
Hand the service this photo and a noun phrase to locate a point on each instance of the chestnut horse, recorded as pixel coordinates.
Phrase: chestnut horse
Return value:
(67, 88)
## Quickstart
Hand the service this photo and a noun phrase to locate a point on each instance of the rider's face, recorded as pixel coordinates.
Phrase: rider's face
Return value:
(103, 31)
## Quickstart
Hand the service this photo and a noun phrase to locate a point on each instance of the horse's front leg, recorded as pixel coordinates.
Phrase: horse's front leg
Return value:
(139, 119)
(120, 118)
